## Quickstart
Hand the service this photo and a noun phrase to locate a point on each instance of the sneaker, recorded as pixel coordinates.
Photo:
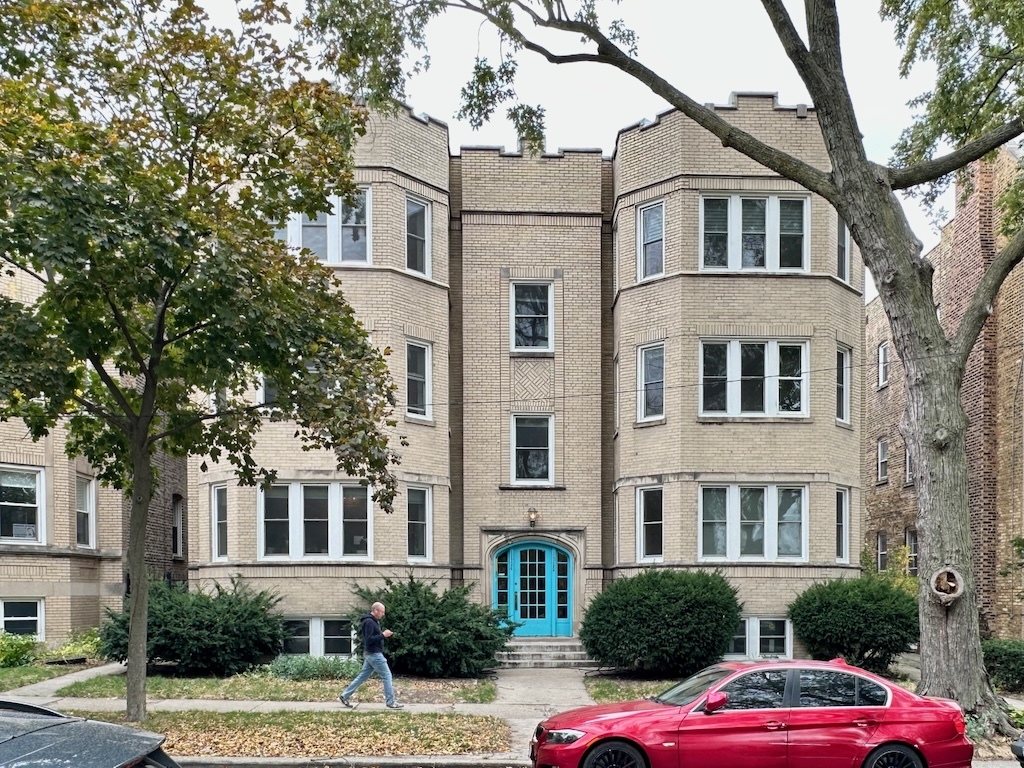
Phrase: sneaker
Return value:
(395, 705)
(347, 702)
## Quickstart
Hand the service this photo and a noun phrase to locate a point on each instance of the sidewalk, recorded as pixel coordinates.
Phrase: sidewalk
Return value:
(525, 697)
(522, 694)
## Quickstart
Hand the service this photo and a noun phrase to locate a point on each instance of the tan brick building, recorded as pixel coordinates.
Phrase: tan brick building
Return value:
(991, 396)
(604, 364)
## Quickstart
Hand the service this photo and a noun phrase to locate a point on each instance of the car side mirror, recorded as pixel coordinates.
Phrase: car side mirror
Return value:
(716, 701)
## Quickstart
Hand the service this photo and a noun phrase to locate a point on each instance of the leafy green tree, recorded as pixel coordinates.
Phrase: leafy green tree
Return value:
(146, 158)
(974, 108)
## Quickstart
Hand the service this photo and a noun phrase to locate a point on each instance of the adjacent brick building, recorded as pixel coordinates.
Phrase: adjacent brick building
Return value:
(991, 397)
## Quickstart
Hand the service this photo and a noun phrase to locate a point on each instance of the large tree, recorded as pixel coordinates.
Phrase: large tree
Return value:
(146, 159)
(975, 108)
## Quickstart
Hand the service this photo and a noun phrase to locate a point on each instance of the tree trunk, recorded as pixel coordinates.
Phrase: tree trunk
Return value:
(142, 491)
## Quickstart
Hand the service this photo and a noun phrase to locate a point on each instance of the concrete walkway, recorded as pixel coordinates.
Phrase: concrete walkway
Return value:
(525, 697)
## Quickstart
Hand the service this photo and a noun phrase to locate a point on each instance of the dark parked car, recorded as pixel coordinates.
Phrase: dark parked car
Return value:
(1018, 750)
(37, 737)
(798, 714)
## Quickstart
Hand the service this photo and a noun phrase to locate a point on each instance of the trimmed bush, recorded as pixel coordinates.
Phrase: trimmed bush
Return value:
(443, 635)
(1004, 662)
(81, 644)
(17, 650)
(867, 621)
(313, 668)
(218, 633)
(664, 623)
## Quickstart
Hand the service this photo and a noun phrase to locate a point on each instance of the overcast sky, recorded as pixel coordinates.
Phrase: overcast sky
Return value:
(706, 49)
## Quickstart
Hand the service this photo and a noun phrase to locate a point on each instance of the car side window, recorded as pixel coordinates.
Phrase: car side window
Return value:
(765, 689)
(825, 688)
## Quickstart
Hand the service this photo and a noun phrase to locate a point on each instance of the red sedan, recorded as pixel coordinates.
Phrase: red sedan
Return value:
(798, 714)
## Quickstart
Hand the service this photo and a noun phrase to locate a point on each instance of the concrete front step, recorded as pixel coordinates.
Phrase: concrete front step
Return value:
(564, 652)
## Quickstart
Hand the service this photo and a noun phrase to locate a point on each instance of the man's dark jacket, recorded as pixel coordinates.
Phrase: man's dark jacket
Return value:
(373, 635)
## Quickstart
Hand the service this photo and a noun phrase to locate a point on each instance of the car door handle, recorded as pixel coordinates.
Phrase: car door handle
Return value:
(860, 722)
(774, 725)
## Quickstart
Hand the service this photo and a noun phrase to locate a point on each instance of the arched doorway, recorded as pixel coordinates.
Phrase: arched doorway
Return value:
(533, 580)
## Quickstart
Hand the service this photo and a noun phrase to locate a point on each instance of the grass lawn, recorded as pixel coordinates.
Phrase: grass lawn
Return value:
(322, 734)
(15, 677)
(260, 686)
(603, 689)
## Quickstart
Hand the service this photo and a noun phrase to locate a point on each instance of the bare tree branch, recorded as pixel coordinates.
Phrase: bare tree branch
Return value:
(984, 297)
(930, 170)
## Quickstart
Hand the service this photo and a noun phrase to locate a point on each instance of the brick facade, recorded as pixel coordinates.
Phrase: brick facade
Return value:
(991, 397)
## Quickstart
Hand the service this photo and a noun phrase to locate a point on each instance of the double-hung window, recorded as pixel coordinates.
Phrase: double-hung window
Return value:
(650, 523)
(651, 373)
(85, 512)
(219, 502)
(650, 246)
(908, 467)
(883, 459)
(758, 378)
(882, 547)
(417, 236)
(754, 232)
(532, 313)
(911, 543)
(842, 250)
(315, 520)
(418, 508)
(339, 237)
(758, 522)
(417, 378)
(22, 617)
(842, 525)
(883, 364)
(843, 384)
(533, 440)
(21, 504)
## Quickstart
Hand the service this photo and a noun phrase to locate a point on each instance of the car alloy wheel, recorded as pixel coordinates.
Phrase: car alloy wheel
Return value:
(893, 756)
(615, 754)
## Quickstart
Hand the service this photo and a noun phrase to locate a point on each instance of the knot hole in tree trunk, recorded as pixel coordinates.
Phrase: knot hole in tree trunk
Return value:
(947, 585)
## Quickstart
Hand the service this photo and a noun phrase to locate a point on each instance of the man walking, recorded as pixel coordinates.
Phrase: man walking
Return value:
(373, 659)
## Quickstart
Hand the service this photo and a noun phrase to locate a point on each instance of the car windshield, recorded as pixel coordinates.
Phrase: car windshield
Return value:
(692, 687)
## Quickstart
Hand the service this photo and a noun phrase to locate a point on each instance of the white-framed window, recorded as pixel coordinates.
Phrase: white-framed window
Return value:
(22, 616)
(754, 232)
(339, 237)
(615, 260)
(650, 402)
(908, 467)
(21, 505)
(650, 240)
(762, 378)
(883, 459)
(843, 355)
(533, 441)
(219, 521)
(883, 364)
(417, 236)
(842, 525)
(882, 547)
(910, 539)
(319, 636)
(418, 379)
(753, 522)
(267, 392)
(650, 524)
(532, 318)
(842, 250)
(85, 512)
(177, 525)
(760, 637)
(315, 521)
(418, 508)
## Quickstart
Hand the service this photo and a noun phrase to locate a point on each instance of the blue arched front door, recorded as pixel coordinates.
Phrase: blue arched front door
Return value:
(533, 580)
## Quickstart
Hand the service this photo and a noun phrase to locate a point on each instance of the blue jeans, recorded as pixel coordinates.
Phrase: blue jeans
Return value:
(373, 662)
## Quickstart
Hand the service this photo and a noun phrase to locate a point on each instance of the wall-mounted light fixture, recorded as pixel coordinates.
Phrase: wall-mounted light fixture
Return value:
(532, 513)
